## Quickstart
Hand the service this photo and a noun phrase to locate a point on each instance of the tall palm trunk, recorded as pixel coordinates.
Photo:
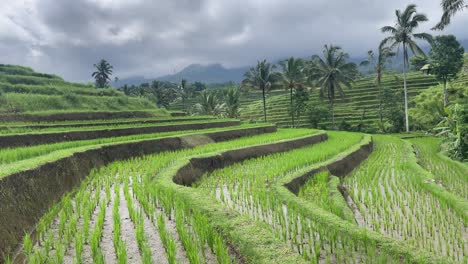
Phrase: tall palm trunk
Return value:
(291, 105)
(405, 61)
(264, 104)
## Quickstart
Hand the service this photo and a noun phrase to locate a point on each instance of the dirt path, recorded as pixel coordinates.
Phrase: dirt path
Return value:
(128, 231)
(158, 252)
(107, 245)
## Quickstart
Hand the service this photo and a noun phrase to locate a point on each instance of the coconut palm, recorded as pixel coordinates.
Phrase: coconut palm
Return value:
(261, 77)
(102, 74)
(450, 7)
(293, 77)
(369, 62)
(209, 104)
(232, 102)
(402, 35)
(333, 71)
(378, 64)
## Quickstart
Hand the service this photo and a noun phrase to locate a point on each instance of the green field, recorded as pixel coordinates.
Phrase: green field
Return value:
(397, 206)
(247, 192)
(24, 90)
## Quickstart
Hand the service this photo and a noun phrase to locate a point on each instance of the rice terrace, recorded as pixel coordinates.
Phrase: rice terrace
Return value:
(350, 153)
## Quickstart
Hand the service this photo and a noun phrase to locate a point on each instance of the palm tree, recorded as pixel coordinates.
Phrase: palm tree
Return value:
(209, 104)
(293, 77)
(232, 102)
(369, 62)
(102, 73)
(402, 34)
(384, 54)
(334, 72)
(450, 7)
(261, 77)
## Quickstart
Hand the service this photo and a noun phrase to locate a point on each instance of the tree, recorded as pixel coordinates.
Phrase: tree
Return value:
(198, 86)
(450, 8)
(208, 104)
(163, 92)
(293, 77)
(261, 77)
(418, 61)
(369, 62)
(383, 58)
(334, 72)
(301, 97)
(465, 63)
(402, 34)
(232, 102)
(102, 74)
(316, 112)
(447, 60)
(392, 110)
(185, 92)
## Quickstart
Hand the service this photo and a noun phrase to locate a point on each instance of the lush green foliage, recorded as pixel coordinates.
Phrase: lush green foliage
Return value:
(450, 8)
(261, 77)
(447, 60)
(102, 74)
(333, 72)
(418, 61)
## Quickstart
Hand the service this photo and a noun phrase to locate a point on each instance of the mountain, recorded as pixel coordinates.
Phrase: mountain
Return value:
(211, 73)
(216, 73)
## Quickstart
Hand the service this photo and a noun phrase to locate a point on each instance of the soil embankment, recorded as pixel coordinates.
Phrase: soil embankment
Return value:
(25, 196)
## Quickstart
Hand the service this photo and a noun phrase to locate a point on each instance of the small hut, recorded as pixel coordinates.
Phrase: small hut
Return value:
(426, 69)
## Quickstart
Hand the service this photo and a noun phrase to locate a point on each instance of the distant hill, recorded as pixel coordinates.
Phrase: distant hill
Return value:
(24, 90)
(211, 73)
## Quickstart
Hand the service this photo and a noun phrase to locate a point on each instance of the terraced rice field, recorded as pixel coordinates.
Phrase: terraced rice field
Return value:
(360, 104)
(234, 193)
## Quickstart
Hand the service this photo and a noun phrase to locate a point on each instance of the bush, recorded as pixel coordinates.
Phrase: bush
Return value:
(429, 106)
(343, 125)
(316, 113)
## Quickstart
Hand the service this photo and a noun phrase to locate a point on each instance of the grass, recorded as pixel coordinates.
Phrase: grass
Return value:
(449, 173)
(361, 98)
(245, 207)
(23, 90)
(88, 200)
(22, 158)
(106, 127)
(394, 200)
(94, 122)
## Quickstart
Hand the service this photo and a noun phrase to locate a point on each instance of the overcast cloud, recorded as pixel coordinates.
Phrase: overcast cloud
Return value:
(154, 37)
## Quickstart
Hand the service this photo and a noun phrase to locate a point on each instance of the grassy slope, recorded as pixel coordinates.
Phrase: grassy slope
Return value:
(23, 90)
(360, 102)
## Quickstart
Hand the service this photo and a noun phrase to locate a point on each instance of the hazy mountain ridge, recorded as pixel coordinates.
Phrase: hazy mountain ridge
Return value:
(217, 73)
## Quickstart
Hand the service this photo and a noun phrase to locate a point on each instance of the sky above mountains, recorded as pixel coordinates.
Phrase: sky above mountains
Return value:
(155, 37)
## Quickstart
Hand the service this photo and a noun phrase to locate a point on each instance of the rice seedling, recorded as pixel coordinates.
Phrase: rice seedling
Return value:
(252, 189)
(394, 199)
(21, 158)
(451, 174)
(167, 240)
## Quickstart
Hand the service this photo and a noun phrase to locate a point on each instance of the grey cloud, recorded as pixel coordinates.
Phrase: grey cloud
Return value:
(146, 37)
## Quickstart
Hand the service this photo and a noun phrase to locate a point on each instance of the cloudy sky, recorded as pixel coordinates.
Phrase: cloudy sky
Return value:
(156, 37)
